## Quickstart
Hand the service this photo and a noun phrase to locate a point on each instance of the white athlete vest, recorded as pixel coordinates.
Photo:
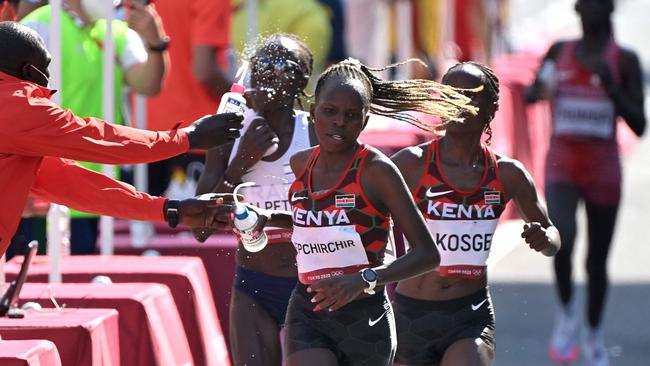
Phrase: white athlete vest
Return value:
(273, 178)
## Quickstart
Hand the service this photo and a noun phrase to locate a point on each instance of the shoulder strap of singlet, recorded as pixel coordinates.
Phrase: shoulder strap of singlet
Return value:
(310, 162)
(361, 154)
(427, 165)
(493, 157)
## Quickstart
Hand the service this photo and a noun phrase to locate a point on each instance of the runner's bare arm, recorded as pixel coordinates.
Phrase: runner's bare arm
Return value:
(539, 232)
(216, 163)
(410, 161)
(628, 96)
(384, 184)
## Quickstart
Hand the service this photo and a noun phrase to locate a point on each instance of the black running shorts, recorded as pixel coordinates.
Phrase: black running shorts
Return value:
(360, 333)
(425, 329)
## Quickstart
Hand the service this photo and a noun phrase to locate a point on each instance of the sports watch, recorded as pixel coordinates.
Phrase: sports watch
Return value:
(161, 46)
(172, 214)
(369, 275)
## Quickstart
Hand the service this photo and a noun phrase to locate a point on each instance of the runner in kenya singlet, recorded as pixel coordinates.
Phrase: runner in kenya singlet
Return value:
(337, 231)
(462, 222)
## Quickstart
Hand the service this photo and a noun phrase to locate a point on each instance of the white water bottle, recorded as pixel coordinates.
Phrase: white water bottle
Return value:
(234, 101)
(246, 222)
(58, 229)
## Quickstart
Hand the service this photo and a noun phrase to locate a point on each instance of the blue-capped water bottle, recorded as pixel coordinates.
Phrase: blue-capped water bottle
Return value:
(246, 222)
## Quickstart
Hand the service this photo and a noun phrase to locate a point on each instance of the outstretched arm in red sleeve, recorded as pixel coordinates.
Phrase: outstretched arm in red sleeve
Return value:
(65, 182)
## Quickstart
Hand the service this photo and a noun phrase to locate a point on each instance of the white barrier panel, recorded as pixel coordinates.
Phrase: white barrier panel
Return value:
(405, 35)
(141, 231)
(55, 236)
(54, 231)
(106, 223)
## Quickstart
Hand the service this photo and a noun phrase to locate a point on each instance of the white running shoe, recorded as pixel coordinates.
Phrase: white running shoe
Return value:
(564, 345)
(595, 352)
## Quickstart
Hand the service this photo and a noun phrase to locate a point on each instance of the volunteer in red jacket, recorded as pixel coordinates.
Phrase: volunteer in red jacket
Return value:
(37, 138)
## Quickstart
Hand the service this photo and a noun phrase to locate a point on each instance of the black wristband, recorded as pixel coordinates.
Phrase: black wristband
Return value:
(162, 46)
(172, 212)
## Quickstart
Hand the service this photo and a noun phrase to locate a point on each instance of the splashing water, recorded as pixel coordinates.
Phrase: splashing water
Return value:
(242, 72)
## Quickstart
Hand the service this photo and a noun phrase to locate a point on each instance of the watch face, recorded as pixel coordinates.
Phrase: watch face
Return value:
(369, 275)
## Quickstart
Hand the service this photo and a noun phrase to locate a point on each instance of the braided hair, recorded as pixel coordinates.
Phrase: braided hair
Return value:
(490, 83)
(393, 98)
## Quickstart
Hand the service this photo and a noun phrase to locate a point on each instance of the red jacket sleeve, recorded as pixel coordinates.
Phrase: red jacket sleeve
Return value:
(32, 125)
(65, 182)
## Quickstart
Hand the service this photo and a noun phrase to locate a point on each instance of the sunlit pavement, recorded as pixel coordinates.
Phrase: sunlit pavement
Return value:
(522, 281)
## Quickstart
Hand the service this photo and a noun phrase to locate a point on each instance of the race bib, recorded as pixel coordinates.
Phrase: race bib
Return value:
(328, 251)
(464, 245)
(270, 197)
(584, 117)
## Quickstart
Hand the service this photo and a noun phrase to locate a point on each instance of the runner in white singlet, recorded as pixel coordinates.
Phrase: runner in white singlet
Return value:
(280, 69)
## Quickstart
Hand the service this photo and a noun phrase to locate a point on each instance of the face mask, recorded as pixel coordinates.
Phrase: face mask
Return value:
(99, 9)
(45, 77)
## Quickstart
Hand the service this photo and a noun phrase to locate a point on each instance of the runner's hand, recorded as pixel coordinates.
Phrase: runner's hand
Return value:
(257, 139)
(146, 22)
(334, 293)
(536, 236)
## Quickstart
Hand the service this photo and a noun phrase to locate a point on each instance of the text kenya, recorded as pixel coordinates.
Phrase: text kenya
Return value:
(319, 218)
(455, 211)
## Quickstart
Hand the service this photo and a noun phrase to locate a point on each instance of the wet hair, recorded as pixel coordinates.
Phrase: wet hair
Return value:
(18, 45)
(306, 60)
(393, 98)
(489, 83)
(305, 57)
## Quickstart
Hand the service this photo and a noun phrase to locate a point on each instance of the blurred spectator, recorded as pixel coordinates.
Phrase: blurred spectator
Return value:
(138, 66)
(338, 50)
(200, 34)
(470, 30)
(478, 28)
(8, 10)
(367, 32)
(590, 82)
(427, 30)
(27, 6)
(307, 19)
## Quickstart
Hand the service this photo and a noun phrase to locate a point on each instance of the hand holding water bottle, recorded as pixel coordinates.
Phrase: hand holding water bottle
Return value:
(256, 142)
(222, 219)
(249, 223)
(214, 130)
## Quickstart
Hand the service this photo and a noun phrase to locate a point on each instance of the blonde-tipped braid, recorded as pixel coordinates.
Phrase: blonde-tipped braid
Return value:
(392, 98)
